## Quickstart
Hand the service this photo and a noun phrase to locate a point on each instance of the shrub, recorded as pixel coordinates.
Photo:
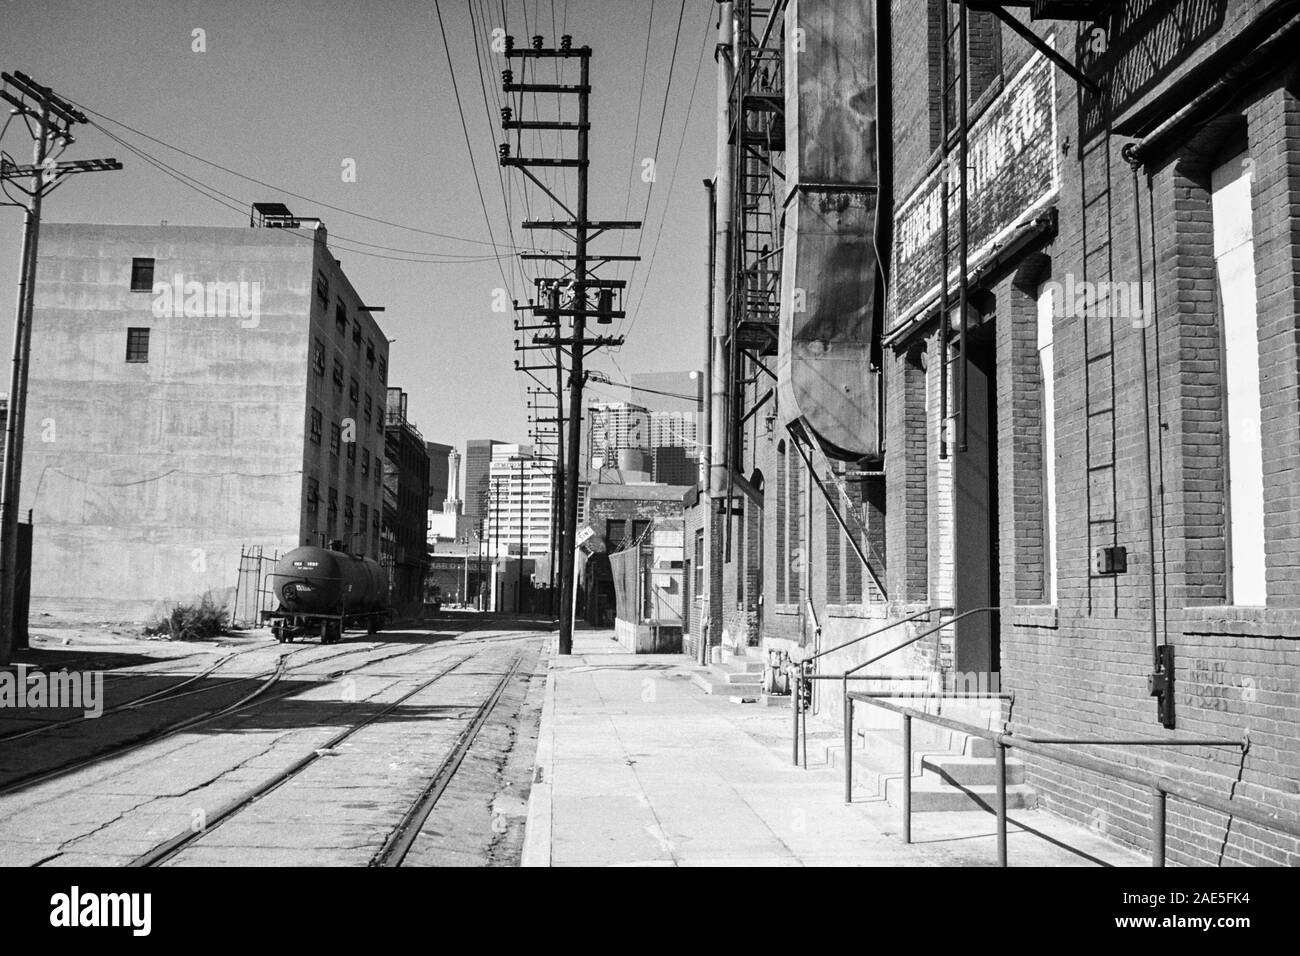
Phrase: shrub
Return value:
(188, 623)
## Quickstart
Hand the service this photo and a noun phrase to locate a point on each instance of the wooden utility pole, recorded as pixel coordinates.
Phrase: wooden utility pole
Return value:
(48, 118)
(581, 230)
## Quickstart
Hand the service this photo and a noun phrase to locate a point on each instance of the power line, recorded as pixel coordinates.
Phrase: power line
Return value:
(241, 206)
(681, 13)
(663, 218)
(451, 70)
(281, 189)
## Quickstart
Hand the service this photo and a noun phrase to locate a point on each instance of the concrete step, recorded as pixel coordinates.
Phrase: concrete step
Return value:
(933, 794)
(724, 684)
(972, 771)
(741, 665)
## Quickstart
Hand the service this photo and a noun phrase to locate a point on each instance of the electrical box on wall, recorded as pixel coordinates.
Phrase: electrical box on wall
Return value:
(1110, 560)
(1161, 685)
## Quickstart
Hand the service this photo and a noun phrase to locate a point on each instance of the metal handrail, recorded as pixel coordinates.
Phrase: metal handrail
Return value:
(879, 630)
(912, 640)
(801, 674)
(848, 702)
(1161, 787)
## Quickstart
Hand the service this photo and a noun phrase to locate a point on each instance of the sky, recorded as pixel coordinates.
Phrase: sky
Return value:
(293, 93)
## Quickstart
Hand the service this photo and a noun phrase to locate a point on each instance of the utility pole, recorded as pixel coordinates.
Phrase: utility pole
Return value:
(48, 118)
(519, 578)
(581, 230)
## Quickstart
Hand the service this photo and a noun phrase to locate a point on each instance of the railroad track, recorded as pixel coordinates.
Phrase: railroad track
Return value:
(174, 692)
(398, 843)
(257, 697)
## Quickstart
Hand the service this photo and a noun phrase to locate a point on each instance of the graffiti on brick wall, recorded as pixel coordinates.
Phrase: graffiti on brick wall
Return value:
(1209, 685)
(1014, 173)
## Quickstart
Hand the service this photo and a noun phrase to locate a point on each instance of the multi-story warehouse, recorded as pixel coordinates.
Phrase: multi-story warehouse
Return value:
(194, 390)
(440, 456)
(406, 493)
(1091, 468)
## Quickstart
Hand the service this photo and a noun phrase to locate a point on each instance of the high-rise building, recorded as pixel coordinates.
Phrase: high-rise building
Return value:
(520, 501)
(478, 459)
(614, 427)
(439, 476)
(674, 429)
(213, 388)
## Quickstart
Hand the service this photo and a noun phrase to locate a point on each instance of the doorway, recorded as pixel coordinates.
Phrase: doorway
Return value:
(975, 511)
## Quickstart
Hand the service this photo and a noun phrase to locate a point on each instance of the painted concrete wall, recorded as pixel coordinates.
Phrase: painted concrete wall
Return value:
(145, 478)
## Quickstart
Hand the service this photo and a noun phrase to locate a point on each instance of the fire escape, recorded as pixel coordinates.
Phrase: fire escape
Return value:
(756, 136)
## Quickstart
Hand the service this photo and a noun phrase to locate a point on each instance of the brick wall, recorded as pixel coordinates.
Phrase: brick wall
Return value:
(1080, 667)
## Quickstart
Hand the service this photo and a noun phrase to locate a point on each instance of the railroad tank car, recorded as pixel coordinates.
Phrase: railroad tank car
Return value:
(324, 589)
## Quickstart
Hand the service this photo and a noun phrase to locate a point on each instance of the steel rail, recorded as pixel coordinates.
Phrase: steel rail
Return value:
(399, 841)
(252, 699)
(170, 848)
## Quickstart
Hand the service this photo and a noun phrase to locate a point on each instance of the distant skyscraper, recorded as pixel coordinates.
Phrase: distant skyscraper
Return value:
(674, 430)
(478, 461)
(438, 475)
(520, 492)
(616, 426)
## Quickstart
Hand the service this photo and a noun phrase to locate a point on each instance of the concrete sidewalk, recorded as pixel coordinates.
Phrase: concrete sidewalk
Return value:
(637, 766)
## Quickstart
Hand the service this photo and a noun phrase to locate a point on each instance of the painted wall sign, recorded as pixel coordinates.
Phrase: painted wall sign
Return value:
(1014, 173)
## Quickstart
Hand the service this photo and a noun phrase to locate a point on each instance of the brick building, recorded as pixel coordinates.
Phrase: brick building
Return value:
(406, 493)
(1116, 470)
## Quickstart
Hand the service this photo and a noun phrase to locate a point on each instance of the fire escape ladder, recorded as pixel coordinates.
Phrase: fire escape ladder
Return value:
(757, 136)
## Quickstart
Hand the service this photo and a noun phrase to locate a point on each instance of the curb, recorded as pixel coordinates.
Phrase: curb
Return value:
(537, 829)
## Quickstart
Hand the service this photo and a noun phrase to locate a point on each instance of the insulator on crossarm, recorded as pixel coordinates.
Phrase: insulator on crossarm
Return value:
(507, 76)
(506, 114)
(510, 43)
(566, 42)
(504, 150)
(537, 42)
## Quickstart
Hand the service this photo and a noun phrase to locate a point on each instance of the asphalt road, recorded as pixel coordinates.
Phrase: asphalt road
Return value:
(413, 748)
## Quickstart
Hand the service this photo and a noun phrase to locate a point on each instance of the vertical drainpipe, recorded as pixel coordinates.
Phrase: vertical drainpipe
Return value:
(963, 294)
(706, 395)
(718, 379)
(722, 257)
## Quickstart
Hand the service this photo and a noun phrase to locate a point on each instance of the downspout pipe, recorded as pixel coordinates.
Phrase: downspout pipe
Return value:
(723, 199)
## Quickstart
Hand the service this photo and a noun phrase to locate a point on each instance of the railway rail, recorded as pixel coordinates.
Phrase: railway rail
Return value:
(256, 697)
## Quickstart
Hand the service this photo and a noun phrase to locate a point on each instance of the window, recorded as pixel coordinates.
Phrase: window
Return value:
(341, 317)
(362, 525)
(318, 357)
(137, 345)
(323, 287)
(315, 426)
(699, 564)
(335, 438)
(1234, 266)
(370, 353)
(1046, 371)
(313, 497)
(365, 463)
(356, 334)
(615, 531)
(352, 454)
(638, 529)
(338, 374)
(383, 371)
(141, 275)
(347, 514)
(333, 513)
(367, 407)
(354, 390)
